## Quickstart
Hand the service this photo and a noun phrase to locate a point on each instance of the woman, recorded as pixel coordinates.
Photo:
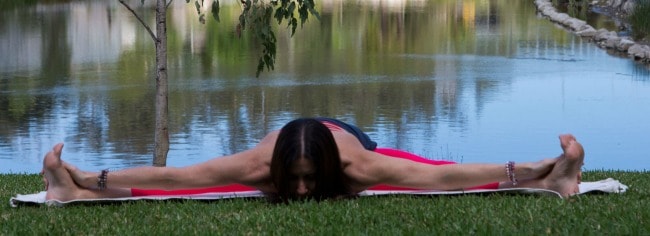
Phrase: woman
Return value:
(318, 158)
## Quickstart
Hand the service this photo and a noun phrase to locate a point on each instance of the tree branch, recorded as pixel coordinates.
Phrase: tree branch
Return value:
(153, 36)
(169, 3)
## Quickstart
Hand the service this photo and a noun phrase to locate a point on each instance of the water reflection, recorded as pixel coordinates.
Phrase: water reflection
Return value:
(466, 80)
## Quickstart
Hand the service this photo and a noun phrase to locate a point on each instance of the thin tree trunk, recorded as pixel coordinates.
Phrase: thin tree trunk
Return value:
(161, 139)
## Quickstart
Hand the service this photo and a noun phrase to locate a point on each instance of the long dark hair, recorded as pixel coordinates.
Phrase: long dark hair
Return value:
(308, 138)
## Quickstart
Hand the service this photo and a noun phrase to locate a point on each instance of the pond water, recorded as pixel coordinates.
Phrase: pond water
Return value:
(468, 80)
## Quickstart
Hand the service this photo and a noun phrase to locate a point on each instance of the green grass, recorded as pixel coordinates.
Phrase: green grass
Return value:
(640, 19)
(616, 214)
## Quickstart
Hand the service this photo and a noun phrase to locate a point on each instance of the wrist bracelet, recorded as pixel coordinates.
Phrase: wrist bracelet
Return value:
(101, 179)
(510, 172)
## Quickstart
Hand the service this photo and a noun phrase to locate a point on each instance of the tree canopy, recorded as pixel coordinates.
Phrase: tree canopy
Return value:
(257, 17)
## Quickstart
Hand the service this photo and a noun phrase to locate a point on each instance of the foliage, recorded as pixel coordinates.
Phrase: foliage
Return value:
(597, 214)
(640, 19)
(257, 16)
(575, 8)
(11, 4)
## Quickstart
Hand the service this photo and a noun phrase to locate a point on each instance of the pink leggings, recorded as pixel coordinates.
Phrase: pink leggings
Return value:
(238, 187)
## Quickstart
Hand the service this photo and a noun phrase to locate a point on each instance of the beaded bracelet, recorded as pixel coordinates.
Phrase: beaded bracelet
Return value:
(101, 179)
(510, 172)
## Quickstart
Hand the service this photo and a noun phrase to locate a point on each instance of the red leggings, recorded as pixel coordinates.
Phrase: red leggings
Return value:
(238, 187)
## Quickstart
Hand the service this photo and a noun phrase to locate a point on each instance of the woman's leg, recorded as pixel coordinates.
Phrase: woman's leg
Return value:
(60, 185)
(564, 178)
(182, 192)
(410, 156)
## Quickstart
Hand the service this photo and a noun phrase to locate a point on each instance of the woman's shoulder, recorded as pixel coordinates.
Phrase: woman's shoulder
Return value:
(350, 149)
(268, 141)
(345, 140)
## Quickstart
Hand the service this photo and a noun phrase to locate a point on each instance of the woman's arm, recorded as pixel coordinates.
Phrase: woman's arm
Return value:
(250, 167)
(370, 168)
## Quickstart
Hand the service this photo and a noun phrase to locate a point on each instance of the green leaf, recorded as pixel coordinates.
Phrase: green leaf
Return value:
(303, 14)
(215, 10)
(314, 13)
(248, 4)
(291, 8)
(258, 18)
(202, 18)
(268, 62)
(260, 67)
(265, 31)
(294, 25)
(279, 15)
(242, 21)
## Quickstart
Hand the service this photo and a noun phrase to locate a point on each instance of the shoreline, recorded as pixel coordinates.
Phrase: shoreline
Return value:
(605, 39)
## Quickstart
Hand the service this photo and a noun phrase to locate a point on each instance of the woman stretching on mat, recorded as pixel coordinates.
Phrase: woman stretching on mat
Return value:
(318, 158)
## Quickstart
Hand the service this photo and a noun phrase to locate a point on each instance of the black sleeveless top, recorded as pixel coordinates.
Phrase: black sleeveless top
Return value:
(367, 143)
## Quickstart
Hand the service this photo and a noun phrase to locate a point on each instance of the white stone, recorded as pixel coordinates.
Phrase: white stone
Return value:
(628, 7)
(590, 32)
(561, 17)
(624, 45)
(614, 3)
(575, 24)
(603, 34)
(586, 27)
(612, 42)
(638, 51)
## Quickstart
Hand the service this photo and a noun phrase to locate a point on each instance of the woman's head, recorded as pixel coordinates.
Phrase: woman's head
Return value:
(306, 162)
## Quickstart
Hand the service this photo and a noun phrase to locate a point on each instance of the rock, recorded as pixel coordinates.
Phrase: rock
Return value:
(575, 24)
(614, 3)
(585, 27)
(589, 32)
(624, 45)
(562, 17)
(552, 15)
(638, 51)
(545, 7)
(603, 35)
(541, 3)
(628, 7)
(612, 42)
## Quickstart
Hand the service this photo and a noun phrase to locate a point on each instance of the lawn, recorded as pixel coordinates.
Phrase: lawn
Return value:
(618, 214)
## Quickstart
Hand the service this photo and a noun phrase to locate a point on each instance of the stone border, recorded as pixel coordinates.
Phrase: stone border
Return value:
(624, 6)
(602, 37)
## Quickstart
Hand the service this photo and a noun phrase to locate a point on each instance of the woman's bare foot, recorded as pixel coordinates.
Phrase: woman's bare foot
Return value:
(566, 174)
(59, 184)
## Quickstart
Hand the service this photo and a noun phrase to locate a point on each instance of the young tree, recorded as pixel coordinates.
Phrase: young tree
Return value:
(256, 15)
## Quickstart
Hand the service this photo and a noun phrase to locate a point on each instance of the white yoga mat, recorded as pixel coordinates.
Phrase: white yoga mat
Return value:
(604, 186)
